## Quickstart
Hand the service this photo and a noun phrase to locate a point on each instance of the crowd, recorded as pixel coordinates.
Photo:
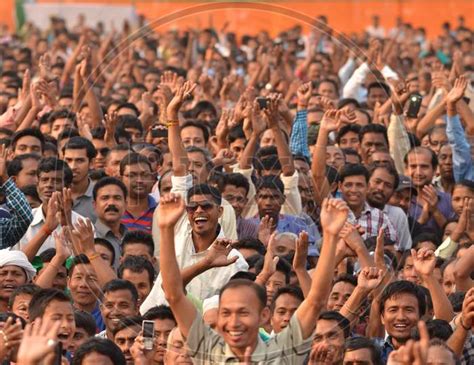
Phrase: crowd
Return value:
(304, 198)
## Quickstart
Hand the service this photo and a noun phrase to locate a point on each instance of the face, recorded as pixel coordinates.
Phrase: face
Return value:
(370, 143)
(163, 329)
(203, 214)
(268, 139)
(334, 157)
(445, 159)
(84, 286)
(20, 306)
(276, 281)
(437, 140)
(28, 144)
(94, 358)
(117, 305)
(151, 81)
(105, 253)
(408, 271)
(240, 316)
(376, 94)
(449, 280)
(330, 334)
(110, 204)
(136, 134)
(237, 197)
(210, 317)
(137, 249)
(60, 125)
(381, 158)
(80, 336)
(269, 202)
(102, 151)
(400, 315)
(460, 193)
(419, 168)
(381, 188)
(112, 165)
(176, 351)
(48, 183)
(284, 245)
(354, 191)
(341, 291)
(284, 308)
(140, 280)
(328, 90)
(58, 311)
(193, 136)
(439, 355)
(350, 140)
(197, 167)
(237, 147)
(138, 180)
(359, 356)
(302, 167)
(402, 199)
(28, 174)
(125, 339)
(11, 277)
(60, 280)
(305, 187)
(79, 164)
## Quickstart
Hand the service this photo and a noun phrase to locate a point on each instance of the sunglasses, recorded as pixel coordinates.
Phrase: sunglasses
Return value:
(103, 151)
(192, 207)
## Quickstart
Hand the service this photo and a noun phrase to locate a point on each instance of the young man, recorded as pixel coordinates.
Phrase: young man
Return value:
(138, 243)
(85, 329)
(114, 157)
(99, 351)
(140, 272)
(361, 350)
(61, 120)
(373, 137)
(285, 302)
(23, 170)
(341, 290)
(120, 301)
(125, 334)
(29, 140)
(136, 174)
(110, 199)
(79, 154)
(194, 134)
(242, 305)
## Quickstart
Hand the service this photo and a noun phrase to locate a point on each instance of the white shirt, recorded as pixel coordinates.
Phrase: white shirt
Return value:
(400, 222)
(35, 226)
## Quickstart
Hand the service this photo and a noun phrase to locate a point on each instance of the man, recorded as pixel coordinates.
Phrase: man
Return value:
(23, 170)
(348, 136)
(361, 350)
(194, 134)
(119, 302)
(114, 158)
(242, 304)
(136, 174)
(29, 140)
(353, 184)
(284, 304)
(402, 304)
(125, 334)
(382, 184)
(79, 154)
(377, 92)
(202, 214)
(431, 208)
(341, 290)
(373, 137)
(332, 328)
(140, 272)
(176, 349)
(138, 243)
(164, 323)
(445, 181)
(97, 350)
(85, 330)
(61, 120)
(110, 199)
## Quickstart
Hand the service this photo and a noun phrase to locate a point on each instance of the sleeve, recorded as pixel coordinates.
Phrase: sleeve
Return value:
(347, 70)
(404, 239)
(228, 221)
(251, 209)
(398, 141)
(291, 341)
(351, 88)
(462, 160)
(389, 230)
(446, 249)
(292, 205)
(12, 229)
(201, 340)
(299, 135)
(181, 184)
(388, 73)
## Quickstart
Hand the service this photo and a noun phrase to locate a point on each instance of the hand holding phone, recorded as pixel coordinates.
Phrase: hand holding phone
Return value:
(148, 334)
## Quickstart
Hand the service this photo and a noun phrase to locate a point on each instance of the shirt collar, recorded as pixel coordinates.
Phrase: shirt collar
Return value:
(38, 216)
(90, 189)
(102, 229)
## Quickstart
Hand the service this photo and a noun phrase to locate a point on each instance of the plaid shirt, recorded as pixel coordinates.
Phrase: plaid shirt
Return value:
(371, 220)
(13, 228)
(299, 135)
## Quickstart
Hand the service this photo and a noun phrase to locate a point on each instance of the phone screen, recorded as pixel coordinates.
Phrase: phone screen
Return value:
(148, 329)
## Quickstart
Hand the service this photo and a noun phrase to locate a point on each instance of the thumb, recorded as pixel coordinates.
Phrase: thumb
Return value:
(248, 355)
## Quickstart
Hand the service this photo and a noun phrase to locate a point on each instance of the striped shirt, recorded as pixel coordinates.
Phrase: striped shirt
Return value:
(299, 135)
(142, 222)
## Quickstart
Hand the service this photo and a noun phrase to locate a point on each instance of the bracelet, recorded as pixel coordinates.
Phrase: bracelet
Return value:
(171, 123)
(46, 230)
(93, 256)
(462, 324)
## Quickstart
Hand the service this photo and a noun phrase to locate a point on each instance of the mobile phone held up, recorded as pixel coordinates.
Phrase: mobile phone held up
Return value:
(414, 105)
(148, 334)
(262, 103)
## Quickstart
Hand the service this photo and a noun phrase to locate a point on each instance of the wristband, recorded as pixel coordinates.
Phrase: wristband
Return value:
(171, 123)
(93, 256)
(462, 324)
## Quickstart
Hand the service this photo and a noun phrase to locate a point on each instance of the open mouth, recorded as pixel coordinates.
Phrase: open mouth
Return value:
(63, 336)
(200, 221)
(401, 326)
(9, 287)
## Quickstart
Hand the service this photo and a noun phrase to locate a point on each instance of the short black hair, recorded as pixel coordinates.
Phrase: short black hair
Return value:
(137, 264)
(355, 128)
(80, 143)
(28, 289)
(236, 133)
(198, 125)
(128, 106)
(127, 322)
(120, 284)
(85, 321)
(418, 149)
(342, 322)
(437, 328)
(267, 163)
(102, 346)
(68, 133)
(353, 170)
(141, 237)
(205, 189)
(62, 113)
(50, 164)
(237, 180)
(357, 343)
(282, 266)
(294, 291)
(260, 292)
(350, 152)
(105, 181)
(270, 182)
(133, 158)
(107, 244)
(373, 128)
(403, 286)
(391, 171)
(346, 278)
(16, 164)
(42, 298)
(466, 183)
(251, 244)
(80, 259)
(426, 236)
(33, 132)
(159, 312)
(379, 85)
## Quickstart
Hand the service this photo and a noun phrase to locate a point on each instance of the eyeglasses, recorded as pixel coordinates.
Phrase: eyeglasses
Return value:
(103, 151)
(192, 207)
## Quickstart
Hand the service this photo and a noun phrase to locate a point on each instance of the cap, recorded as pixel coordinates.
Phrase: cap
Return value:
(405, 183)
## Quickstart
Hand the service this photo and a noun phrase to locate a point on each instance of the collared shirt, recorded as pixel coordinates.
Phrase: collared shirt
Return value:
(463, 167)
(371, 220)
(246, 228)
(15, 226)
(35, 226)
(399, 220)
(288, 347)
(104, 231)
(84, 204)
(99, 321)
(299, 135)
(143, 221)
(386, 347)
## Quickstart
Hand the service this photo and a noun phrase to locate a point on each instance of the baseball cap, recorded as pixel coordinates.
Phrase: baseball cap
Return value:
(405, 183)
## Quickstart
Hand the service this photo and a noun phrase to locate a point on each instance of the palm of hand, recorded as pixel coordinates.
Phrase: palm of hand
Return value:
(170, 212)
(333, 220)
(425, 266)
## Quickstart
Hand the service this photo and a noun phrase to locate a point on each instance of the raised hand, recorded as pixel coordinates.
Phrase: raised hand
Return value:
(271, 112)
(183, 92)
(430, 196)
(10, 336)
(369, 278)
(301, 252)
(457, 92)
(304, 94)
(171, 209)
(217, 254)
(329, 121)
(110, 124)
(53, 213)
(467, 315)
(424, 261)
(39, 339)
(270, 260)
(351, 236)
(265, 229)
(224, 157)
(3, 164)
(63, 251)
(170, 79)
(334, 214)
(66, 201)
(81, 235)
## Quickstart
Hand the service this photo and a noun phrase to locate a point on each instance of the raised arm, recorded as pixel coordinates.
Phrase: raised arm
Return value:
(300, 262)
(464, 323)
(46, 276)
(333, 216)
(463, 269)
(171, 209)
(85, 73)
(299, 133)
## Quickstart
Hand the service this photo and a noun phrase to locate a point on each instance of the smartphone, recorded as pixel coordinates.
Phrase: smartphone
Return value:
(414, 105)
(262, 102)
(58, 354)
(159, 133)
(148, 333)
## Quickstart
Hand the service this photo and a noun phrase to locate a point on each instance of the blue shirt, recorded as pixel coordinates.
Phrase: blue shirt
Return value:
(463, 167)
(299, 135)
(99, 321)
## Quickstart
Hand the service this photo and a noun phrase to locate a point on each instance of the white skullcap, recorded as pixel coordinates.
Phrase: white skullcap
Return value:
(210, 303)
(17, 258)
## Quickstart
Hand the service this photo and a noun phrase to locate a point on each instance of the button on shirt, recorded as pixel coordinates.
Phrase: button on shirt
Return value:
(103, 231)
(83, 204)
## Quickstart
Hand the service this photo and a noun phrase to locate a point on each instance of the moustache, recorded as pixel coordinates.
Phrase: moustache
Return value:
(112, 208)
